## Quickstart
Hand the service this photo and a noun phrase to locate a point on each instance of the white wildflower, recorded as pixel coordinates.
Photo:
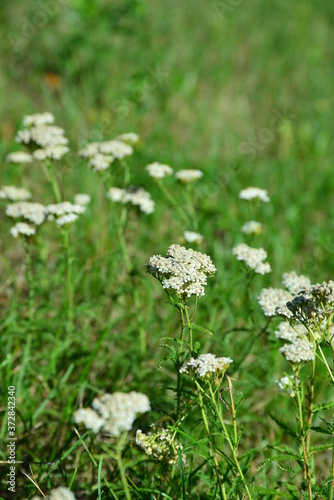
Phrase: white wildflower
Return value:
(160, 443)
(90, 418)
(158, 170)
(298, 351)
(137, 197)
(100, 162)
(253, 193)
(66, 219)
(252, 227)
(82, 199)
(253, 258)
(45, 118)
(19, 157)
(90, 150)
(117, 194)
(130, 138)
(271, 298)
(115, 148)
(206, 366)
(286, 384)
(65, 207)
(53, 152)
(189, 175)
(33, 212)
(182, 271)
(60, 493)
(293, 282)
(14, 193)
(192, 237)
(286, 332)
(22, 229)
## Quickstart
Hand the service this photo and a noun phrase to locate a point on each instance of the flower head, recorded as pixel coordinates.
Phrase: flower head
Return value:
(182, 271)
(19, 157)
(293, 282)
(189, 175)
(33, 212)
(45, 118)
(158, 170)
(136, 196)
(82, 199)
(271, 298)
(22, 229)
(130, 138)
(160, 443)
(298, 351)
(192, 237)
(206, 367)
(253, 258)
(254, 193)
(113, 413)
(58, 494)
(286, 384)
(14, 193)
(252, 227)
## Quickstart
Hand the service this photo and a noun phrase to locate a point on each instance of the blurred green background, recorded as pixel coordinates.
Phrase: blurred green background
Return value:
(241, 90)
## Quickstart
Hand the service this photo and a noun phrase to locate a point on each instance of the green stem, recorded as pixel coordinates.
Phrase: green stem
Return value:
(121, 468)
(190, 329)
(174, 203)
(29, 278)
(190, 205)
(233, 447)
(310, 407)
(331, 492)
(212, 451)
(307, 475)
(178, 366)
(69, 277)
(51, 177)
(326, 364)
(121, 237)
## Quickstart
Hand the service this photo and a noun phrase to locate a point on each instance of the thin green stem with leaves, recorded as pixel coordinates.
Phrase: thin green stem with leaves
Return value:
(50, 174)
(29, 279)
(210, 438)
(69, 276)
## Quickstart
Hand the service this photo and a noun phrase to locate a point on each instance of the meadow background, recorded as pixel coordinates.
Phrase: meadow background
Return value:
(240, 90)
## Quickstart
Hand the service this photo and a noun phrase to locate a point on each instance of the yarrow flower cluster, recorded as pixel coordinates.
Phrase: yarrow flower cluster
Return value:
(286, 332)
(22, 229)
(158, 170)
(253, 258)
(298, 350)
(14, 193)
(82, 199)
(65, 212)
(129, 138)
(294, 282)
(286, 384)
(182, 271)
(252, 227)
(102, 154)
(192, 237)
(48, 140)
(60, 493)
(189, 175)
(113, 413)
(19, 157)
(136, 196)
(272, 298)
(160, 443)
(254, 193)
(206, 367)
(32, 212)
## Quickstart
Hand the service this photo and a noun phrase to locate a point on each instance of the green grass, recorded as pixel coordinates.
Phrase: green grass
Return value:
(242, 93)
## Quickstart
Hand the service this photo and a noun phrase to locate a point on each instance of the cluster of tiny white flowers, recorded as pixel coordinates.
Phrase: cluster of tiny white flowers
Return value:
(82, 199)
(49, 139)
(33, 212)
(102, 154)
(14, 193)
(129, 138)
(22, 229)
(158, 170)
(113, 413)
(252, 227)
(38, 119)
(254, 193)
(192, 237)
(189, 175)
(286, 332)
(293, 282)
(206, 366)
(60, 493)
(182, 271)
(271, 298)
(19, 157)
(159, 443)
(298, 350)
(286, 384)
(253, 258)
(65, 212)
(137, 197)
